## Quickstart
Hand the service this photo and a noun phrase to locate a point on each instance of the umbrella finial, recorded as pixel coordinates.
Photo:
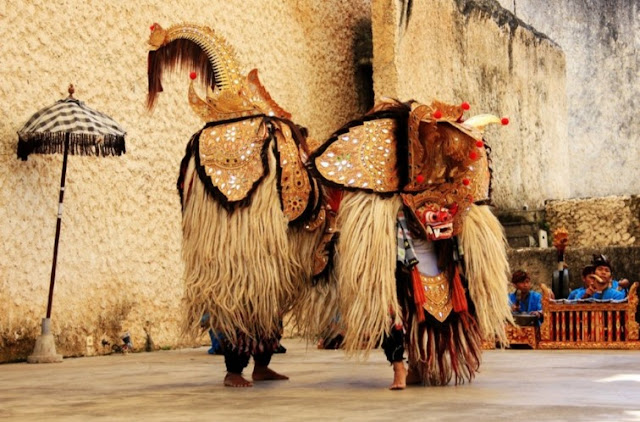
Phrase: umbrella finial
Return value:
(71, 90)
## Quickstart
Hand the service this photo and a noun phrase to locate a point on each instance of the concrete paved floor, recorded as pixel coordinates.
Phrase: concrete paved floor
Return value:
(186, 385)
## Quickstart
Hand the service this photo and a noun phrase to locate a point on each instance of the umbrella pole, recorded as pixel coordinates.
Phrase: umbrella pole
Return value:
(58, 224)
(45, 349)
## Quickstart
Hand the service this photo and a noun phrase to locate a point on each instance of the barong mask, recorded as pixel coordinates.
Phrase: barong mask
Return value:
(436, 221)
(448, 166)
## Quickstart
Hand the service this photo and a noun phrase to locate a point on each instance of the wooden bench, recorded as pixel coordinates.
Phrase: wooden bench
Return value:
(589, 325)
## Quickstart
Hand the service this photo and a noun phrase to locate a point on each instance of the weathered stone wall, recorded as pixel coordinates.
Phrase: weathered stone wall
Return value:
(119, 266)
(597, 222)
(601, 40)
(475, 51)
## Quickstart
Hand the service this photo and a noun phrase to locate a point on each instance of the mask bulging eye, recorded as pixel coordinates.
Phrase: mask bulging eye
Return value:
(431, 217)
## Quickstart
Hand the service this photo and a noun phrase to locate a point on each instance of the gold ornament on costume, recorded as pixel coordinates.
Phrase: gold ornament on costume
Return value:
(251, 99)
(295, 185)
(230, 156)
(436, 292)
(443, 148)
(219, 52)
(365, 157)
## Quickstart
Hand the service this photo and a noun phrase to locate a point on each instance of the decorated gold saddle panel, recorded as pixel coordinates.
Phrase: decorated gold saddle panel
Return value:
(230, 155)
(364, 157)
(231, 162)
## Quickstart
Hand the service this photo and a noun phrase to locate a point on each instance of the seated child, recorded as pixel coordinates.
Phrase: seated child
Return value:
(524, 300)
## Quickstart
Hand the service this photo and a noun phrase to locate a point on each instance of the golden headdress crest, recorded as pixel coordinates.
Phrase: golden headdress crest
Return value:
(229, 94)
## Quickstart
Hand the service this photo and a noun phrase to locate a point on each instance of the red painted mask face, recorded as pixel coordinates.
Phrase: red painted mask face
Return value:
(437, 220)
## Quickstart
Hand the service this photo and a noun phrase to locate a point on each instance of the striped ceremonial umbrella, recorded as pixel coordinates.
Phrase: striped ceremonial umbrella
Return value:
(70, 127)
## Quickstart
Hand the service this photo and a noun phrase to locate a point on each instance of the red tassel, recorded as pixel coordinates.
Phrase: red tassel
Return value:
(334, 198)
(418, 293)
(459, 299)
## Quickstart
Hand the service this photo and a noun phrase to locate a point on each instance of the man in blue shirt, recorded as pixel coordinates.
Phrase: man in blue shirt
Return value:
(524, 300)
(602, 290)
(580, 292)
(595, 287)
(604, 270)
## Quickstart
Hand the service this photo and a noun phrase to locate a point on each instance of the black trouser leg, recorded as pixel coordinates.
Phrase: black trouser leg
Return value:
(235, 362)
(263, 358)
(393, 345)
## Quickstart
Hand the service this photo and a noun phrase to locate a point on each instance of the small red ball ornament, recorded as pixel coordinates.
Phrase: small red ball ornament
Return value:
(152, 27)
(437, 114)
(473, 155)
(504, 121)
(479, 144)
(465, 106)
(193, 75)
(419, 178)
(466, 182)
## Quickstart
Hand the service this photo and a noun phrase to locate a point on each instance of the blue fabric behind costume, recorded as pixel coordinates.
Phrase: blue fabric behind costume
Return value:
(532, 303)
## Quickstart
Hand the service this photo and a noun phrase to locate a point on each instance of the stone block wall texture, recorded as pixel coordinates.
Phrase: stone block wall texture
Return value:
(601, 41)
(119, 266)
(597, 222)
(476, 51)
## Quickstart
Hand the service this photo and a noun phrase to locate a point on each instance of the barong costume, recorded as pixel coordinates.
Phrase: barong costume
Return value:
(249, 205)
(420, 264)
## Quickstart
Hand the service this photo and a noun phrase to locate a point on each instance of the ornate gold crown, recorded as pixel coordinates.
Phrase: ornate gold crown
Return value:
(231, 95)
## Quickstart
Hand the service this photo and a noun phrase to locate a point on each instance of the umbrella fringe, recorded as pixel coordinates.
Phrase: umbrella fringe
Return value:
(79, 144)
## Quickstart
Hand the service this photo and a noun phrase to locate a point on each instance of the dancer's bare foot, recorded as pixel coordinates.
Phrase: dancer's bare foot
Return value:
(236, 380)
(264, 373)
(399, 376)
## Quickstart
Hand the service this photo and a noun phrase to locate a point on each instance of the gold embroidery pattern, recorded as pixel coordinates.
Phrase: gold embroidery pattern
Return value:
(365, 157)
(436, 291)
(294, 180)
(230, 155)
